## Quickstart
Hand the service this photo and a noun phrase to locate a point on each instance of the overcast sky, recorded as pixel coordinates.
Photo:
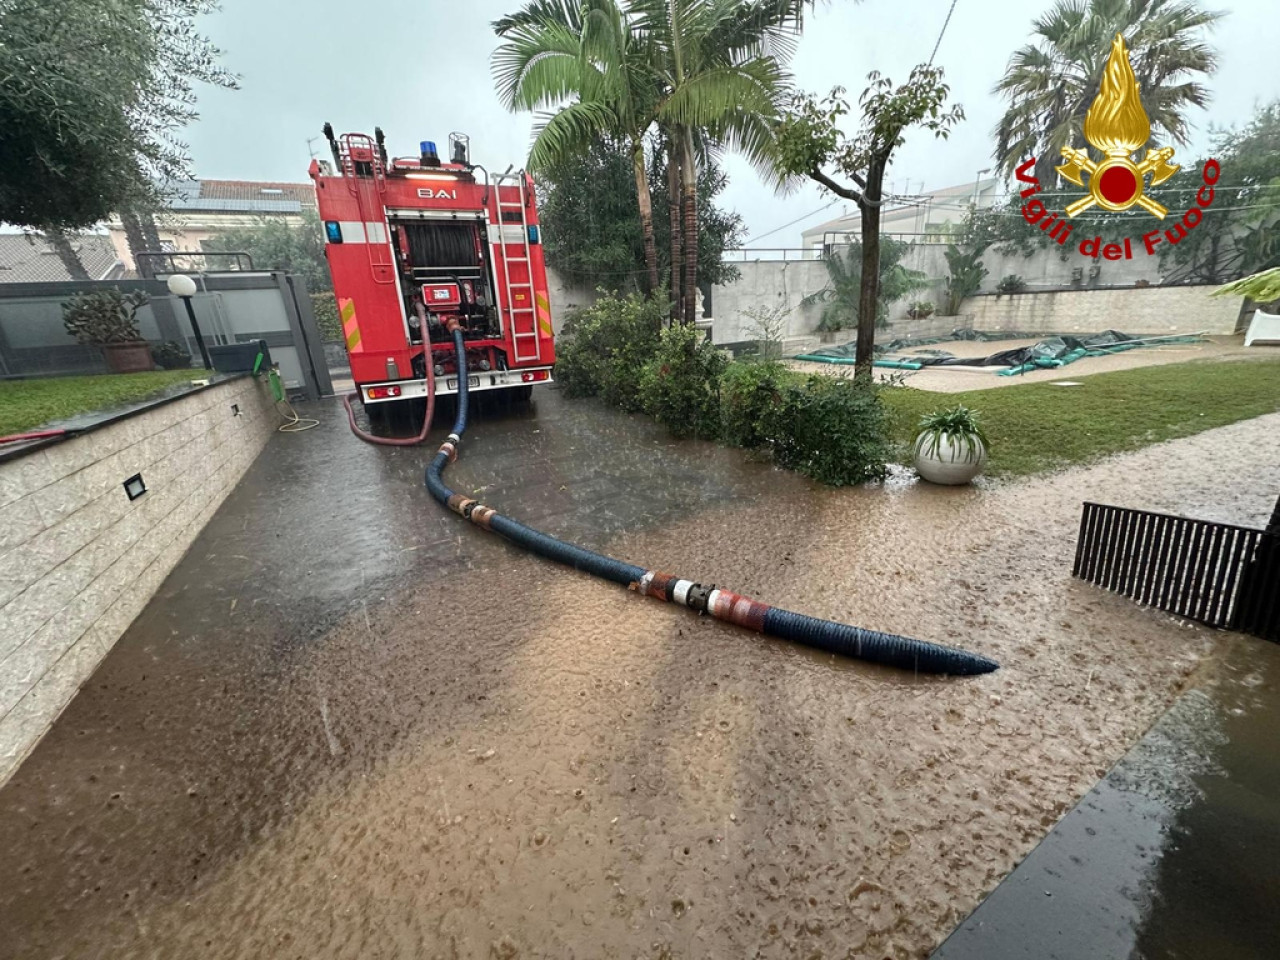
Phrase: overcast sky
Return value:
(420, 69)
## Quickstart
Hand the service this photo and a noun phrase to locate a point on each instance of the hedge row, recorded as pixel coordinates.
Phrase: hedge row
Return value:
(325, 308)
(833, 429)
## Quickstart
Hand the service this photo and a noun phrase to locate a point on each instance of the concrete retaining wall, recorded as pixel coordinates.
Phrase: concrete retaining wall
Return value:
(1154, 310)
(566, 295)
(79, 560)
(763, 284)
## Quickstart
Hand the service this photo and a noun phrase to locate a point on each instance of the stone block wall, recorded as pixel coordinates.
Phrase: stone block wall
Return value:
(79, 560)
(1151, 310)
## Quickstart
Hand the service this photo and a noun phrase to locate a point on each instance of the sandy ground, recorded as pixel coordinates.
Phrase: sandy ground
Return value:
(978, 378)
(496, 757)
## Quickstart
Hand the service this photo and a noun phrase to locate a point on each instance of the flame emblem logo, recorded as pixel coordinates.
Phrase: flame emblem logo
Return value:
(1117, 126)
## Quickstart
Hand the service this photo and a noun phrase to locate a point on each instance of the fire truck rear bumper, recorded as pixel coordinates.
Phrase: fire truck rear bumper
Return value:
(478, 380)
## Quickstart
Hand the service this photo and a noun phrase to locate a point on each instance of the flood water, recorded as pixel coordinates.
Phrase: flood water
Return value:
(352, 725)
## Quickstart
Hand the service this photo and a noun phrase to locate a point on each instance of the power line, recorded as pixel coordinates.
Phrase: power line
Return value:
(792, 223)
(941, 32)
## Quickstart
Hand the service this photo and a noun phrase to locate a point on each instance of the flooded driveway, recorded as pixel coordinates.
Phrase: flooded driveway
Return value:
(351, 725)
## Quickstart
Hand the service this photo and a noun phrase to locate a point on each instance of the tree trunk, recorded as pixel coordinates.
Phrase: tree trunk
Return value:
(689, 212)
(1046, 170)
(61, 244)
(674, 185)
(150, 232)
(143, 236)
(134, 237)
(869, 289)
(646, 216)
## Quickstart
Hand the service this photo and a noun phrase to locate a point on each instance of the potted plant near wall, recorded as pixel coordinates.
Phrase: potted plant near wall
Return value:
(108, 319)
(950, 447)
(921, 310)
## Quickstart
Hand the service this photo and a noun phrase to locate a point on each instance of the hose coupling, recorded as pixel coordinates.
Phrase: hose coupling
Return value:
(460, 505)
(699, 596)
(481, 515)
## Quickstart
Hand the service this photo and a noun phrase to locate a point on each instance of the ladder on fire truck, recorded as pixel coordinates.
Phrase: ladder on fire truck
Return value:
(365, 172)
(524, 341)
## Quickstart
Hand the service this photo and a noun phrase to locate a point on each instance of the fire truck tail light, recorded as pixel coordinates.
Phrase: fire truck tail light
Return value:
(382, 393)
(533, 376)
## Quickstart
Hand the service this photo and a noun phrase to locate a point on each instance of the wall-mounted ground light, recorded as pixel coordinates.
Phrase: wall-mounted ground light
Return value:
(134, 486)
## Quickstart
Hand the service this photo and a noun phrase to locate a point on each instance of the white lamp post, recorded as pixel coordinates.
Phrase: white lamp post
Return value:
(180, 285)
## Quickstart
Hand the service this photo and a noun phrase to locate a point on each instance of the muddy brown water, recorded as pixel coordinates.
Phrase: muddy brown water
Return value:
(350, 725)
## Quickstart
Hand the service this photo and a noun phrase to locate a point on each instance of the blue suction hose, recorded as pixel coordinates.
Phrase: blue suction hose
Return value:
(886, 648)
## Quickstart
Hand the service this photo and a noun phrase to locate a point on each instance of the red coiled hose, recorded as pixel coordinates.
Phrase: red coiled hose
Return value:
(399, 441)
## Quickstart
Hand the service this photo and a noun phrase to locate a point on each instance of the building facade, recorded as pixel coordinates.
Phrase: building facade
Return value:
(200, 209)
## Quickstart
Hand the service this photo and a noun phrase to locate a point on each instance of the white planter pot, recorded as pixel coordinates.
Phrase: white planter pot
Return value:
(952, 463)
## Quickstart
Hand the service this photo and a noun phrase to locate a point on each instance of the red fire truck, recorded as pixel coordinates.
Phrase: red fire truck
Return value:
(413, 242)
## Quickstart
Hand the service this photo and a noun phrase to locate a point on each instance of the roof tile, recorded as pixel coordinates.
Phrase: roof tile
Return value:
(26, 259)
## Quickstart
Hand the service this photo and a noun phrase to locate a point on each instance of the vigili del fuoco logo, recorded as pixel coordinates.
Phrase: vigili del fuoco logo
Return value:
(1117, 127)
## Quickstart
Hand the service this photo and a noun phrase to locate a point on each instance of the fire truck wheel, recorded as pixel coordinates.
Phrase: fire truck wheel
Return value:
(379, 416)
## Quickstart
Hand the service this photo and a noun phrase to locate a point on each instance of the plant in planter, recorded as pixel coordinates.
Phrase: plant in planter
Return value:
(921, 310)
(171, 355)
(950, 447)
(1011, 283)
(108, 319)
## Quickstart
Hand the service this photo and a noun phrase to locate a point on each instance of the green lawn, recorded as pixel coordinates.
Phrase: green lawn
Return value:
(26, 404)
(1038, 426)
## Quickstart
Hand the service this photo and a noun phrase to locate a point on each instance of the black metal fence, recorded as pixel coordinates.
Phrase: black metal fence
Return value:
(1220, 574)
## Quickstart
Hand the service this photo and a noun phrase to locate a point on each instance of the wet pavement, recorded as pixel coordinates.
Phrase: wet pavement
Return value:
(1176, 853)
(351, 725)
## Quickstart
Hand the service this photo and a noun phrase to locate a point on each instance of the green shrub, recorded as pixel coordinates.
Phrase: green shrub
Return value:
(171, 355)
(750, 397)
(833, 429)
(104, 316)
(325, 307)
(603, 348)
(680, 386)
(1011, 283)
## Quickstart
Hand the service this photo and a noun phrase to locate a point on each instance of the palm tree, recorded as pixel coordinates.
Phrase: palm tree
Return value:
(706, 72)
(841, 297)
(720, 68)
(586, 53)
(1051, 81)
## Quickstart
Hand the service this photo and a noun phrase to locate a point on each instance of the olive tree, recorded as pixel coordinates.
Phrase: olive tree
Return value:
(92, 96)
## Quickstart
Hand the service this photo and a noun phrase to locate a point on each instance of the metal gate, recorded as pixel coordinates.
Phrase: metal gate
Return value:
(1220, 574)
